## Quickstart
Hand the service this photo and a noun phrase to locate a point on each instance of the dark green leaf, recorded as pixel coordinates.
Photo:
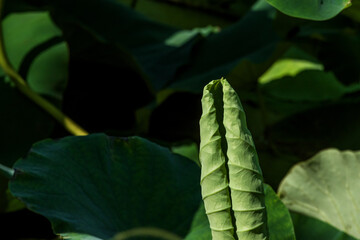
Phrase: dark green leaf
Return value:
(114, 184)
(187, 67)
(308, 86)
(278, 217)
(27, 38)
(311, 228)
(200, 227)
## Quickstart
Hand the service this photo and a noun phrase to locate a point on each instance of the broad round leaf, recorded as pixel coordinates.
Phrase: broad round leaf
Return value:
(311, 9)
(326, 187)
(100, 185)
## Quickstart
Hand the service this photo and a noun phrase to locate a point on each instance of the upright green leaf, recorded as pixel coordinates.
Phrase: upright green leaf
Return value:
(231, 178)
(278, 216)
(326, 187)
(100, 185)
(311, 9)
(246, 181)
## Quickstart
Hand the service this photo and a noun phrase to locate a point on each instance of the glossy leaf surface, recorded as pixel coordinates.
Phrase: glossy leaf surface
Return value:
(311, 9)
(100, 185)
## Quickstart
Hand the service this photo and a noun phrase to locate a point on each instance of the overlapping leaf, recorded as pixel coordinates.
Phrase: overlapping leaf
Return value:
(168, 66)
(279, 220)
(22, 123)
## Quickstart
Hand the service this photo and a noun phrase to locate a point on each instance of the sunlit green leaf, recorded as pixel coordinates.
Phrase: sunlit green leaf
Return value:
(231, 178)
(326, 187)
(24, 31)
(311, 9)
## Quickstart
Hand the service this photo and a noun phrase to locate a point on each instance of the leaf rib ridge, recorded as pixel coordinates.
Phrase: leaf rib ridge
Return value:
(228, 158)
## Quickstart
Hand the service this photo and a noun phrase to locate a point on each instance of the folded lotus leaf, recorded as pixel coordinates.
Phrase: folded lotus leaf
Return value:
(231, 178)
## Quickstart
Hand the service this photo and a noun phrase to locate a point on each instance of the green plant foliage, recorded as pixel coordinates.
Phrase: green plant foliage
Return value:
(37, 51)
(291, 63)
(30, 38)
(326, 188)
(139, 68)
(279, 220)
(278, 217)
(100, 185)
(231, 178)
(308, 86)
(24, 31)
(311, 228)
(162, 63)
(200, 227)
(189, 150)
(310, 9)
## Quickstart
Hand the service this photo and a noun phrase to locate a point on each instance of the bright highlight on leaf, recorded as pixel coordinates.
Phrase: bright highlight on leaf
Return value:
(231, 178)
(311, 9)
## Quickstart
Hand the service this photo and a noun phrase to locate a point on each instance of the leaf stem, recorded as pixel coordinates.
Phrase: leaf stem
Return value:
(21, 85)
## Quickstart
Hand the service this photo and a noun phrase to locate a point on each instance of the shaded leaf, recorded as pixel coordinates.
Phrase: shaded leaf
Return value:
(200, 228)
(278, 217)
(326, 187)
(304, 134)
(308, 86)
(48, 72)
(27, 37)
(186, 68)
(311, 228)
(354, 11)
(189, 150)
(114, 184)
(21, 124)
